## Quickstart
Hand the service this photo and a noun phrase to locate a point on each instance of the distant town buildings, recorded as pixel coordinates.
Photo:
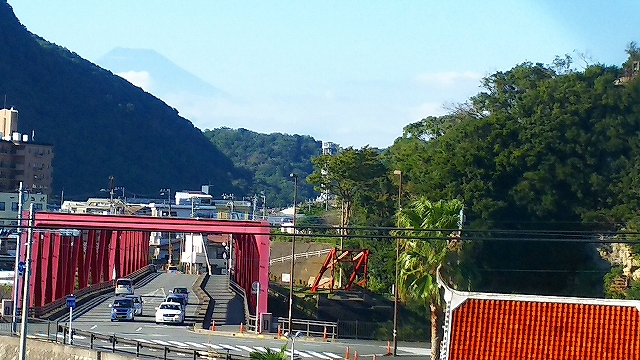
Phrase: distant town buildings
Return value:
(329, 148)
(22, 159)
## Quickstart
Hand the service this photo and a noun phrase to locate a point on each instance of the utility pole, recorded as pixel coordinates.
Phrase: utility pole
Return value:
(293, 248)
(395, 287)
(25, 291)
(110, 195)
(16, 277)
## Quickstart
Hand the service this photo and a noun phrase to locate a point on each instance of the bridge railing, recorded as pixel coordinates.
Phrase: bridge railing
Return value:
(58, 306)
(305, 255)
(249, 320)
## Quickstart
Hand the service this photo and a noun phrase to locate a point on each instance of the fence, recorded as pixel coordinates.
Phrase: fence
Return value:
(57, 332)
(300, 256)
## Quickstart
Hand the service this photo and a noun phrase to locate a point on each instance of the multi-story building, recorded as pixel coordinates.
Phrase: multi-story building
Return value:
(22, 159)
(9, 206)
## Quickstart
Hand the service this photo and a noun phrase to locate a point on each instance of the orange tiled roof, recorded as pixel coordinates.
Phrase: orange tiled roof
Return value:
(489, 329)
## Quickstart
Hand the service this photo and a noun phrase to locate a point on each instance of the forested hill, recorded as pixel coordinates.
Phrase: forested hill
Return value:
(100, 124)
(271, 158)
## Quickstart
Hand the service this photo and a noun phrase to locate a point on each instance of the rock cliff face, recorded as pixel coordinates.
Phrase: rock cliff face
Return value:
(621, 255)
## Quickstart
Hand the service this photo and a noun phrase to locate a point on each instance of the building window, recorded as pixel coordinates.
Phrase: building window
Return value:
(14, 206)
(2, 205)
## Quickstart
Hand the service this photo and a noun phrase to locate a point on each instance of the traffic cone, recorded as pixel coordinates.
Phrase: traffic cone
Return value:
(279, 332)
(355, 355)
(241, 328)
(346, 355)
(388, 348)
(374, 357)
(324, 337)
(213, 325)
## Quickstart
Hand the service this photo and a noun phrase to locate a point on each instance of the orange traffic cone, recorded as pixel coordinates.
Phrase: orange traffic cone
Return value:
(355, 355)
(388, 348)
(346, 356)
(213, 325)
(374, 357)
(279, 332)
(324, 337)
(241, 328)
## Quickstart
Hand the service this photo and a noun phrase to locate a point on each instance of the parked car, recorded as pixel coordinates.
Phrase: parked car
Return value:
(181, 291)
(137, 303)
(169, 312)
(124, 286)
(122, 308)
(177, 299)
(172, 269)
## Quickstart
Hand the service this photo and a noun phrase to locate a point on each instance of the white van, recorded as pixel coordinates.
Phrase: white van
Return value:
(124, 286)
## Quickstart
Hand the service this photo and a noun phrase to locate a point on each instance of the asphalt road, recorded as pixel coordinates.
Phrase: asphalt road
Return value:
(145, 331)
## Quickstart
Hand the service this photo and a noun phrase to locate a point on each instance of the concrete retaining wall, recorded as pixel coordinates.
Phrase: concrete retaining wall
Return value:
(42, 350)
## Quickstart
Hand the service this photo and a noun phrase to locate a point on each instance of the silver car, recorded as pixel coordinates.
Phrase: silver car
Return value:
(137, 303)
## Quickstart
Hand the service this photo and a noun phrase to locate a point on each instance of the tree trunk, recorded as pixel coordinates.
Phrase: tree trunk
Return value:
(436, 330)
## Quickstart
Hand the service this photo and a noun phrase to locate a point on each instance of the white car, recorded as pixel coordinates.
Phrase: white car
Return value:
(169, 312)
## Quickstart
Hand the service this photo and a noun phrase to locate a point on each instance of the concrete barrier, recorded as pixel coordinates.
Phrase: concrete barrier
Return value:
(42, 350)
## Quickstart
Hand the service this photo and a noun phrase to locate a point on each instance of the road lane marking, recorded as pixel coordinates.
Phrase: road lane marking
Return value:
(330, 354)
(138, 329)
(246, 348)
(94, 326)
(303, 354)
(179, 344)
(230, 347)
(318, 355)
(195, 344)
(160, 342)
(216, 347)
(260, 348)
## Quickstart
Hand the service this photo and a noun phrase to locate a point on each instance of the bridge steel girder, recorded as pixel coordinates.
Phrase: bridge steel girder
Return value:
(112, 246)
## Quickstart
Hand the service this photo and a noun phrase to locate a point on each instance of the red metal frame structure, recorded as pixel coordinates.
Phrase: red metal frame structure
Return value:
(114, 246)
(359, 258)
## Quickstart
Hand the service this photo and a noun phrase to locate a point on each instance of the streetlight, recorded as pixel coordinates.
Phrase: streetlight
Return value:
(395, 287)
(293, 245)
(16, 277)
(293, 338)
(167, 191)
(25, 290)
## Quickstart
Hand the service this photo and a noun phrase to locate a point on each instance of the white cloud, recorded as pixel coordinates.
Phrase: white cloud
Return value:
(138, 78)
(448, 80)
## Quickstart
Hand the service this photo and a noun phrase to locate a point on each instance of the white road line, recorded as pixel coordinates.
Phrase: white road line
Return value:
(260, 348)
(318, 355)
(195, 344)
(246, 348)
(179, 344)
(143, 341)
(160, 342)
(94, 326)
(303, 354)
(330, 354)
(230, 347)
(216, 347)
(138, 329)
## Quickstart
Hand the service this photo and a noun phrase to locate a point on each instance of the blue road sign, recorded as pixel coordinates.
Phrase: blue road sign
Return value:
(71, 301)
(21, 266)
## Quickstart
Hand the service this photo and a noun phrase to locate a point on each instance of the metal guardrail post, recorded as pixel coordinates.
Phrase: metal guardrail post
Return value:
(48, 330)
(113, 343)
(138, 348)
(92, 338)
(166, 351)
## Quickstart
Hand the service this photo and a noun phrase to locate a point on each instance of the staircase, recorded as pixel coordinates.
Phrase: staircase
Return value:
(222, 308)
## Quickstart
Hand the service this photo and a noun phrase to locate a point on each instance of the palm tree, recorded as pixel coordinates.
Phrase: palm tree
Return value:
(269, 354)
(420, 258)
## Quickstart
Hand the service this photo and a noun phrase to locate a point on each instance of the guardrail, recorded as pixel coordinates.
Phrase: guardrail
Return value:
(59, 333)
(305, 255)
(58, 306)
(250, 320)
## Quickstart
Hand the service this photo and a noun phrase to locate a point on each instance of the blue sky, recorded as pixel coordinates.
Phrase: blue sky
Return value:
(351, 72)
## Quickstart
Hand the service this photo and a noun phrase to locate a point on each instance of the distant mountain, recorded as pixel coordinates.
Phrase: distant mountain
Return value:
(156, 74)
(101, 125)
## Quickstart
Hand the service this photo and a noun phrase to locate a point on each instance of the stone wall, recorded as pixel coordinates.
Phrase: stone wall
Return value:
(42, 350)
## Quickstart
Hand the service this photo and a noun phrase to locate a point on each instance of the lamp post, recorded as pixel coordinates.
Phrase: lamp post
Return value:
(293, 245)
(395, 287)
(25, 290)
(167, 191)
(16, 277)
(293, 338)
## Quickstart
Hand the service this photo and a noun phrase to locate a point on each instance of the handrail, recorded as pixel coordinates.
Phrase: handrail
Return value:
(305, 255)
(91, 290)
(240, 291)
